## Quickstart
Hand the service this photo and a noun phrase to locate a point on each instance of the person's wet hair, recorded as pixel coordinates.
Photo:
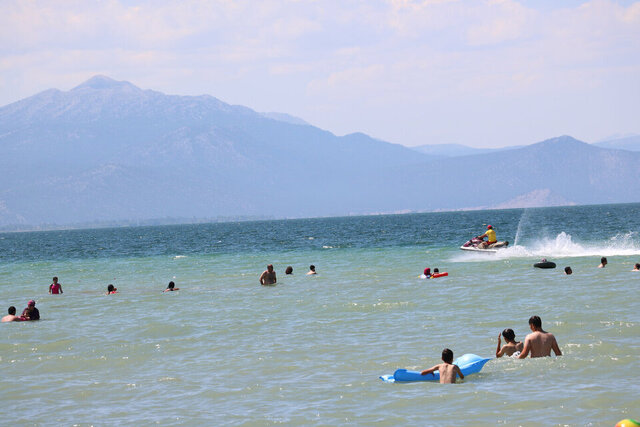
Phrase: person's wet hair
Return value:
(447, 355)
(535, 321)
(568, 270)
(12, 310)
(509, 335)
(637, 266)
(55, 278)
(110, 288)
(312, 267)
(289, 270)
(171, 285)
(435, 270)
(603, 260)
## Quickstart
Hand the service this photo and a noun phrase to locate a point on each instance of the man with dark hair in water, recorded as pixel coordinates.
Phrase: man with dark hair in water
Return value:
(568, 271)
(540, 342)
(11, 317)
(268, 276)
(603, 262)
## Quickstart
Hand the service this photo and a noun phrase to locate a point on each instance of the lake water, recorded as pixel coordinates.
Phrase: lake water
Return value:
(226, 351)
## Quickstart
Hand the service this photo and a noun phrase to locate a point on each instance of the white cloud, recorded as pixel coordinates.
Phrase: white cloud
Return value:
(339, 63)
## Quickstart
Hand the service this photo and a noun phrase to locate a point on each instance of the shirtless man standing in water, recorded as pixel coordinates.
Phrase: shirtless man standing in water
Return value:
(539, 342)
(268, 277)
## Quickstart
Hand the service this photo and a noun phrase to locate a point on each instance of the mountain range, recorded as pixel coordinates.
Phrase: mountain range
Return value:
(109, 151)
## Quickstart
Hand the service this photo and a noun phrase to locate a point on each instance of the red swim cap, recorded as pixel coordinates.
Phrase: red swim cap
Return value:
(489, 227)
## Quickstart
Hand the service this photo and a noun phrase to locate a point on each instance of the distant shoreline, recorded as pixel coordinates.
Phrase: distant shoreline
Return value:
(99, 225)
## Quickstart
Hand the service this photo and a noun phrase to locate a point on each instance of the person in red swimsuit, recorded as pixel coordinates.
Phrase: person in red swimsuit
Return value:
(55, 287)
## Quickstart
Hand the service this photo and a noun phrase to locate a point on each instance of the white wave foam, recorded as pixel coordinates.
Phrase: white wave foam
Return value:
(563, 246)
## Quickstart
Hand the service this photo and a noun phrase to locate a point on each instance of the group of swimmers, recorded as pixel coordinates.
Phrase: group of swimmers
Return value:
(268, 277)
(603, 264)
(538, 343)
(29, 313)
(55, 288)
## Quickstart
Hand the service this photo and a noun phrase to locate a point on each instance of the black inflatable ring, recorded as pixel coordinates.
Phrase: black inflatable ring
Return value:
(546, 264)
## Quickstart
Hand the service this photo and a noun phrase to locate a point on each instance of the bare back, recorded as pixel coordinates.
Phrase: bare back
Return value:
(509, 348)
(448, 373)
(541, 343)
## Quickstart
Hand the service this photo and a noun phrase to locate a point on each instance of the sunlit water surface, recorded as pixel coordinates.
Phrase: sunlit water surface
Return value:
(309, 351)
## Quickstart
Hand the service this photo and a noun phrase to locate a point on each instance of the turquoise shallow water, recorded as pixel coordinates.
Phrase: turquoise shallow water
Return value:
(225, 351)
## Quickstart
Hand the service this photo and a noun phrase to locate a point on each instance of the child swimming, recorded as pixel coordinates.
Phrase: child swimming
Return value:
(448, 371)
(511, 347)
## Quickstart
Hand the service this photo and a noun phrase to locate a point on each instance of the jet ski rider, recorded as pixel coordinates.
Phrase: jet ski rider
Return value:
(491, 238)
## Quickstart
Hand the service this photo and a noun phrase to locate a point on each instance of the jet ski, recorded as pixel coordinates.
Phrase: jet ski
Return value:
(472, 245)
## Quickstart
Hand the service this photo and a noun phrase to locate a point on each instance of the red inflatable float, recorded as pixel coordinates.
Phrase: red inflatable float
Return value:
(436, 275)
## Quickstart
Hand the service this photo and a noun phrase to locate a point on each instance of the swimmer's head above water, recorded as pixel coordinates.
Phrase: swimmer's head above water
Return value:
(535, 321)
(509, 335)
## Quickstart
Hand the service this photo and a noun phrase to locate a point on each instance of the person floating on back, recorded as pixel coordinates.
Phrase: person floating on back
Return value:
(568, 271)
(447, 370)
(111, 290)
(312, 270)
(55, 287)
(11, 317)
(268, 277)
(603, 262)
(490, 234)
(171, 287)
(31, 312)
(512, 347)
(540, 342)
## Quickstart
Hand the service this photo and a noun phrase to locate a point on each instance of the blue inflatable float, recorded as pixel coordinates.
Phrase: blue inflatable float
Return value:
(468, 364)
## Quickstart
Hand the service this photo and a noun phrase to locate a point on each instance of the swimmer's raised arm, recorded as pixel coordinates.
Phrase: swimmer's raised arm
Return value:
(499, 352)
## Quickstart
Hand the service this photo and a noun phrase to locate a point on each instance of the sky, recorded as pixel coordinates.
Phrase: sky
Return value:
(480, 73)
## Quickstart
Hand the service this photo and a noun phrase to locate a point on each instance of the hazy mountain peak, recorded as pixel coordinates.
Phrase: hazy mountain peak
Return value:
(564, 141)
(284, 117)
(100, 82)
